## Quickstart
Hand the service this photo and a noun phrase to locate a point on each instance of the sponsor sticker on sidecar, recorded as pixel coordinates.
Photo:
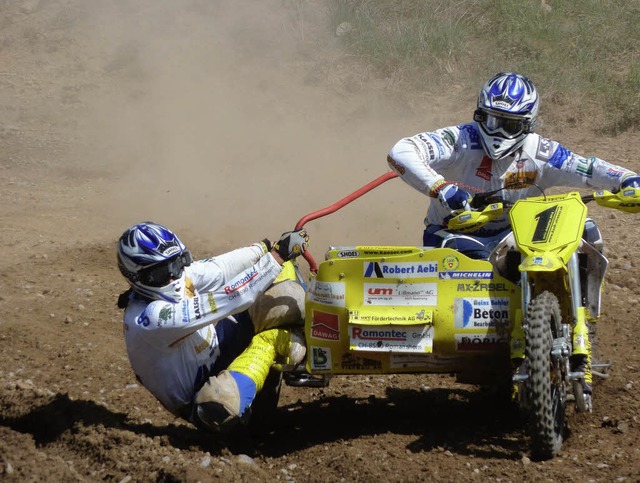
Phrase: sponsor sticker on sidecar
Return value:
(320, 358)
(401, 294)
(353, 362)
(480, 342)
(327, 293)
(391, 315)
(481, 313)
(400, 270)
(387, 251)
(461, 274)
(348, 254)
(477, 286)
(325, 326)
(391, 338)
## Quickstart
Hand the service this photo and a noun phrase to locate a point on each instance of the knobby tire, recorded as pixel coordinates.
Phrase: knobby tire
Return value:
(545, 384)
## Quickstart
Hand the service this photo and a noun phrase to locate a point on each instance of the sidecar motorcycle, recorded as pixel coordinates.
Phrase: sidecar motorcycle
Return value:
(519, 319)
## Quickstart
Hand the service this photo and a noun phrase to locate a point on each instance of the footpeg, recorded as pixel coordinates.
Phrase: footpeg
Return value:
(601, 369)
(301, 379)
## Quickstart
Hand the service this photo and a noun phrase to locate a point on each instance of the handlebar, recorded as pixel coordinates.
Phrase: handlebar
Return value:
(486, 207)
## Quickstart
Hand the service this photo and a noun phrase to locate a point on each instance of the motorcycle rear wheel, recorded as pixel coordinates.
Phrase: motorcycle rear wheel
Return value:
(546, 391)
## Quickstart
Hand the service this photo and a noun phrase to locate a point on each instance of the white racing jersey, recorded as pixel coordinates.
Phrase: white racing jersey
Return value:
(170, 346)
(455, 154)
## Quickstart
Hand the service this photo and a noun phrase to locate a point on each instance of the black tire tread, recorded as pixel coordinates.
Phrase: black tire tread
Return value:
(543, 324)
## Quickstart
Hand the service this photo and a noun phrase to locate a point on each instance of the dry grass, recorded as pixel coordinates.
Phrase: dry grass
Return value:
(583, 55)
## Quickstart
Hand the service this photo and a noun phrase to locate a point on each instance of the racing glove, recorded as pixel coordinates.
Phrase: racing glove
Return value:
(292, 244)
(632, 181)
(454, 198)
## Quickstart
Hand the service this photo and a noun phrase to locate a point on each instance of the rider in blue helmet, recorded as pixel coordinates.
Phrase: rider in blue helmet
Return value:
(187, 322)
(497, 150)
(507, 111)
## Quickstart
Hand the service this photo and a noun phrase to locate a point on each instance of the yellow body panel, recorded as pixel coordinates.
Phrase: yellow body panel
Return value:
(388, 309)
(406, 309)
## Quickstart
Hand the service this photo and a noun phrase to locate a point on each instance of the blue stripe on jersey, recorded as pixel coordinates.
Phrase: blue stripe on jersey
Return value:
(560, 155)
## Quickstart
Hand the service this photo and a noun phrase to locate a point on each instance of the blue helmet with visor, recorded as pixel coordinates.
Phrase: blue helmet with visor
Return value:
(152, 259)
(506, 112)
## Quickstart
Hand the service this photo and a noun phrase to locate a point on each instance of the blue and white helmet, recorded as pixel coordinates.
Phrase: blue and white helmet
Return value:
(507, 110)
(152, 259)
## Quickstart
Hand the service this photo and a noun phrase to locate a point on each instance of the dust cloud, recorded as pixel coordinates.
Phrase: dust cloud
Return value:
(230, 120)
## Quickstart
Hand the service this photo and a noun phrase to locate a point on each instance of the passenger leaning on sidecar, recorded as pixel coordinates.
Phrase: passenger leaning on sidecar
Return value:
(498, 149)
(202, 335)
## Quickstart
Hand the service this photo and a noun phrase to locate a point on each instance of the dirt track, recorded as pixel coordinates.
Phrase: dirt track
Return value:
(225, 125)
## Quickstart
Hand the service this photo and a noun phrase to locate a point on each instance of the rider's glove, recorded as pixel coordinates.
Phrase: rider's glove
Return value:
(292, 244)
(454, 198)
(630, 182)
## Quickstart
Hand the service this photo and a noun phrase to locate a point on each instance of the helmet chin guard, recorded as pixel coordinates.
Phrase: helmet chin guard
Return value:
(173, 292)
(497, 147)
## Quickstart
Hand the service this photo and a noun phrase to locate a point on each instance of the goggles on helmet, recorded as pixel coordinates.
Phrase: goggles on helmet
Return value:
(497, 125)
(161, 274)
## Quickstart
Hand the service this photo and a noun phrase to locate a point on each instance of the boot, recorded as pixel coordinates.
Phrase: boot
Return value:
(224, 400)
